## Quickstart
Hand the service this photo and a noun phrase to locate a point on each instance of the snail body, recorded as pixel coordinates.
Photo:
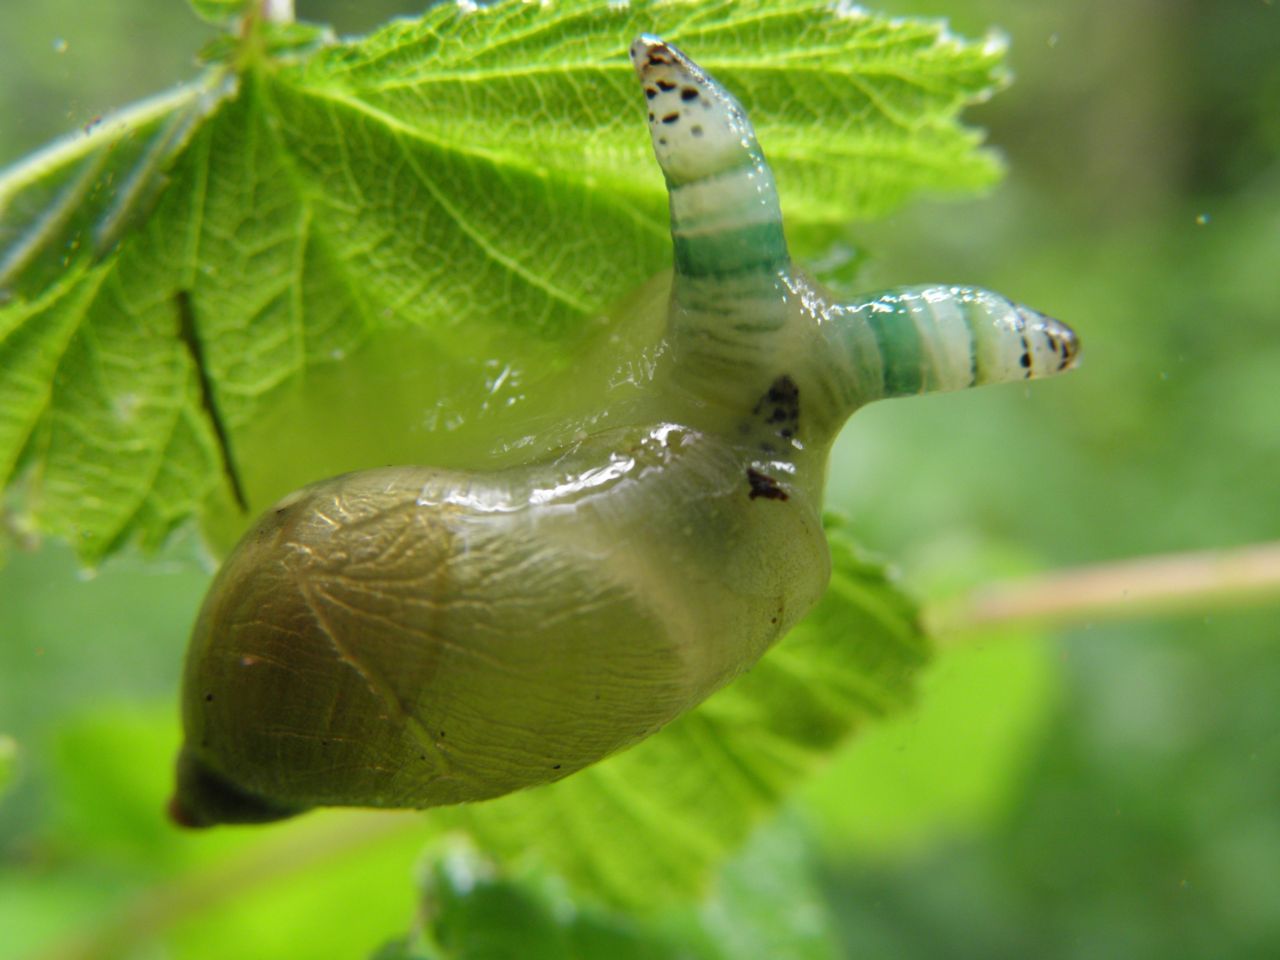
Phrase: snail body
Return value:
(421, 637)
(412, 637)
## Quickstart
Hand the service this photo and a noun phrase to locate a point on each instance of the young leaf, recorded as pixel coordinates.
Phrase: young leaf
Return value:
(767, 905)
(219, 11)
(441, 206)
(652, 824)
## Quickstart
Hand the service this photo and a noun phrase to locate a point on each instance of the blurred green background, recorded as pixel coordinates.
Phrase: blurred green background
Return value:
(1108, 790)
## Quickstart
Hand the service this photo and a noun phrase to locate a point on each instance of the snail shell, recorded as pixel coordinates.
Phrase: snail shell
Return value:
(411, 637)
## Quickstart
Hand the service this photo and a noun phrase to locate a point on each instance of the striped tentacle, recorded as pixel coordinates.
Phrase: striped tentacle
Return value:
(729, 292)
(914, 340)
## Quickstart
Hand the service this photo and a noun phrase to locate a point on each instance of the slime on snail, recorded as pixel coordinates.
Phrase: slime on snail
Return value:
(413, 637)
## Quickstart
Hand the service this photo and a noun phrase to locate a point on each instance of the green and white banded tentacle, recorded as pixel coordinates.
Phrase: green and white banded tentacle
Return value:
(730, 311)
(742, 316)
(937, 338)
(726, 224)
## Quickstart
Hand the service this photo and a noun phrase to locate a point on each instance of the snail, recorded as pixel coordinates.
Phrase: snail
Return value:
(413, 637)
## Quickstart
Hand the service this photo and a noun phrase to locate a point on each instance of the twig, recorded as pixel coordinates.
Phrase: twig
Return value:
(1130, 588)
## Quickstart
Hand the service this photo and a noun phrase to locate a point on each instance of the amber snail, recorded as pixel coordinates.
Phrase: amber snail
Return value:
(412, 637)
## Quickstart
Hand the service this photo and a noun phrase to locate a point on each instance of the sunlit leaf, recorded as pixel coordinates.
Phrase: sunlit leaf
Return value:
(441, 206)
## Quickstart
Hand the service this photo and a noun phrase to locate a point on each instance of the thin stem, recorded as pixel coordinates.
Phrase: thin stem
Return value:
(1130, 588)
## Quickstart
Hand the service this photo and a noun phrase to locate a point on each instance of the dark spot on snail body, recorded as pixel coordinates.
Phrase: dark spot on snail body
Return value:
(763, 485)
(671, 118)
(1025, 360)
(784, 392)
(689, 93)
(780, 407)
(666, 86)
(696, 129)
(650, 93)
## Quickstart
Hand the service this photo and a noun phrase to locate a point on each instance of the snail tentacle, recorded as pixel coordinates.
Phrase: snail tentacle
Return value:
(922, 339)
(730, 307)
(726, 223)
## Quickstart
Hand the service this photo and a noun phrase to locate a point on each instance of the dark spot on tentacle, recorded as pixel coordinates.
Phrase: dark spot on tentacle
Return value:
(689, 93)
(671, 118)
(666, 86)
(762, 485)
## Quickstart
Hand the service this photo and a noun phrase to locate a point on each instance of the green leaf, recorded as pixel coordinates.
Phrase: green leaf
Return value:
(442, 206)
(475, 914)
(220, 11)
(652, 824)
(767, 904)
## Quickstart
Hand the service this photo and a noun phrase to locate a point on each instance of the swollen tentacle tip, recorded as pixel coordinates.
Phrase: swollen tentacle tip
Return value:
(698, 128)
(1050, 345)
